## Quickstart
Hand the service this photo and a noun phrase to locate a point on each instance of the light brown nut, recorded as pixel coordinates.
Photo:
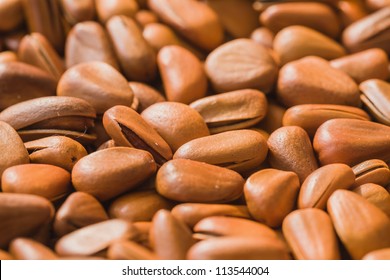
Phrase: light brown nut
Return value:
(381, 254)
(36, 83)
(110, 172)
(231, 14)
(194, 20)
(377, 4)
(49, 181)
(145, 17)
(263, 36)
(361, 226)
(76, 11)
(107, 9)
(374, 171)
(372, 31)
(138, 206)
(182, 74)
(232, 110)
(98, 83)
(310, 235)
(239, 248)
(94, 238)
(146, 95)
(317, 16)
(241, 64)
(5, 255)
(185, 180)
(170, 238)
(22, 215)
(29, 249)
(8, 56)
(295, 42)
(290, 149)
(364, 65)
(136, 57)
(60, 151)
(12, 149)
(350, 11)
(36, 50)
(239, 150)
(88, 41)
(311, 116)
(351, 141)
(11, 15)
(127, 128)
(270, 195)
(177, 123)
(321, 183)
(191, 213)
(376, 98)
(311, 80)
(129, 250)
(79, 210)
(375, 194)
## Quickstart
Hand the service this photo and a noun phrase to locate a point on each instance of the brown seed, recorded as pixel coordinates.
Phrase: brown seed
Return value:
(77, 11)
(270, 195)
(185, 180)
(381, 254)
(374, 171)
(107, 9)
(8, 56)
(29, 249)
(129, 250)
(361, 226)
(146, 95)
(375, 194)
(110, 172)
(310, 234)
(11, 15)
(273, 119)
(5, 255)
(145, 17)
(263, 36)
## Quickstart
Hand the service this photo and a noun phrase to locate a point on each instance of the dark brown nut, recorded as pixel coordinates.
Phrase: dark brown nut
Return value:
(317, 16)
(107, 9)
(351, 141)
(232, 110)
(146, 95)
(290, 149)
(49, 181)
(60, 151)
(372, 31)
(241, 64)
(310, 235)
(11, 15)
(273, 119)
(29, 249)
(270, 195)
(263, 36)
(79, 210)
(361, 226)
(311, 80)
(231, 14)
(182, 74)
(21, 82)
(98, 83)
(136, 57)
(127, 128)
(75, 11)
(319, 185)
(138, 206)
(239, 248)
(185, 180)
(22, 215)
(376, 97)
(145, 17)
(239, 150)
(375, 194)
(311, 116)
(129, 250)
(36, 50)
(295, 42)
(44, 17)
(5, 255)
(192, 213)
(12, 149)
(177, 123)
(381, 254)
(127, 168)
(88, 41)
(8, 56)
(374, 171)
(194, 20)
(364, 65)
(170, 238)
(94, 238)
